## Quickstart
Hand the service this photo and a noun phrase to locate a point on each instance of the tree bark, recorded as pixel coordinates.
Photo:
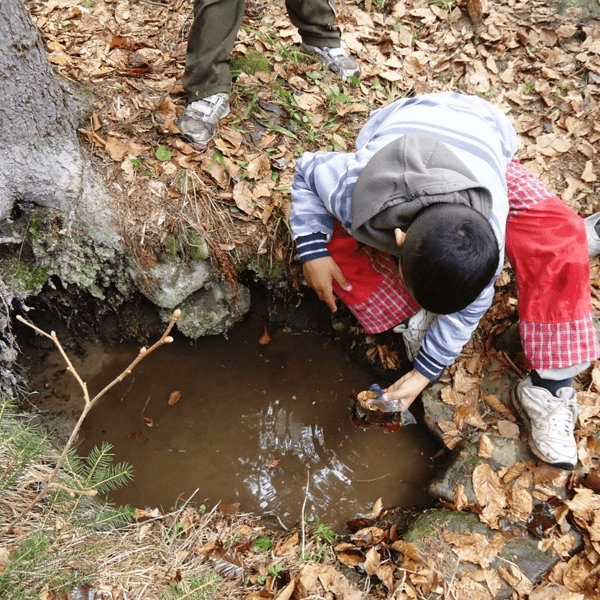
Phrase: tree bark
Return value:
(40, 157)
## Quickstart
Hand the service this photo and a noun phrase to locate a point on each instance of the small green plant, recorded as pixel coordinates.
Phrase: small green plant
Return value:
(23, 279)
(274, 571)
(448, 5)
(139, 165)
(335, 96)
(390, 94)
(198, 587)
(528, 87)
(45, 554)
(252, 62)
(261, 544)
(163, 154)
(324, 532)
(322, 537)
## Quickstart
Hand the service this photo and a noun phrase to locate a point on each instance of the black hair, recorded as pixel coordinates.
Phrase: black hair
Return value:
(449, 256)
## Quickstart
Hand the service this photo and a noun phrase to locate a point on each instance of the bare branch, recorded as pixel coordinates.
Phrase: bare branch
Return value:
(164, 339)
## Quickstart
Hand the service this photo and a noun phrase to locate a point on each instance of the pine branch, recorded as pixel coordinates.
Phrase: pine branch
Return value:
(89, 403)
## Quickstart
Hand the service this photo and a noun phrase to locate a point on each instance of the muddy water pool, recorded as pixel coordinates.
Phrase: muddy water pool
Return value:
(267, 428)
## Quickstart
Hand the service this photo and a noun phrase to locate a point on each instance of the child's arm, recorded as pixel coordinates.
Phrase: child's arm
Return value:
(319, 274)
(407, 388)
(318, 197)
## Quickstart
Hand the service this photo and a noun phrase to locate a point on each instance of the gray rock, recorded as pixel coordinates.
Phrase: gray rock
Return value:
(464, 458)
(168, 284)
(519, 547)
(435, 410)
(211, 310)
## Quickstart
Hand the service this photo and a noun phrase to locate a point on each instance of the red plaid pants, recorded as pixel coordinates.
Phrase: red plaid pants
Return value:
(547, 245)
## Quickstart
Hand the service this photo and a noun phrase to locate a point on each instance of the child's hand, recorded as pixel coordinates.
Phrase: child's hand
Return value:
(319, 274)
(407, 388)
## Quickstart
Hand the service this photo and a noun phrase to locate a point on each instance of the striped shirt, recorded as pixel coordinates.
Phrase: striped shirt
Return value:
(476, 131)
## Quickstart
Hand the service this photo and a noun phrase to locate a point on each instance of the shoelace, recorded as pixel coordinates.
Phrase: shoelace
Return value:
(563, 417)
(206, 106)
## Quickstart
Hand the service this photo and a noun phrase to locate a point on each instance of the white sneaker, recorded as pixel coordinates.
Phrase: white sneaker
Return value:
(199, 121)
(336, 60)
(413, 331)
(551, 422)
(593, 239)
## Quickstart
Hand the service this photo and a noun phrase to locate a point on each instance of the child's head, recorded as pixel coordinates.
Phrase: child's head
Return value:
(449, 255)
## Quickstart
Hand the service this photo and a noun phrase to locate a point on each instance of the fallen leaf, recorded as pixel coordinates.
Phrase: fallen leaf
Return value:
(508, 429)
(372, 561)
(515, 578)
(288, 547)
(377, 509)
(265, 338)
(142, 513)
(148, 421)
(258, 167)
(589, 174)
(490, 493)
(486, 447)
(287, 591)
(475, 10)
(174, 398)
(474, 547)
(349, 558)
(243, 198)
(115, 148)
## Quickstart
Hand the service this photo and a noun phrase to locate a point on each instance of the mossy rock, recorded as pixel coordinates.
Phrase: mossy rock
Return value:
(519, 547)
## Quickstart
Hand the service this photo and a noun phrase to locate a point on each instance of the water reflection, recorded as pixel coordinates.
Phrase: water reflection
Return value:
(287, 449)
(266, 427)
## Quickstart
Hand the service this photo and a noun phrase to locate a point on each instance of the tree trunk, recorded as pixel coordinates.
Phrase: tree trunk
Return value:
(40, 157)
(41, 163)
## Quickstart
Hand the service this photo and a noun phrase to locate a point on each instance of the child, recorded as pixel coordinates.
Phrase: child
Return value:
(427, 186)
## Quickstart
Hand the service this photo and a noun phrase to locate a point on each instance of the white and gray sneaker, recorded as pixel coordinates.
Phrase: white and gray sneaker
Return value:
(593, 239)
(336, 60)
(551, 422)
(199, 121)
(413, 331)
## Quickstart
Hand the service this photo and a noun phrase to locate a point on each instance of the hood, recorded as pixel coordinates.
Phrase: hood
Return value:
(409, 174)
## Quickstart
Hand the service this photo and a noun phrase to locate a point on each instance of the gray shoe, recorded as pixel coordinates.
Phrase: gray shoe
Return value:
(593, 239)
(551, 422)
(200, 119)
(336, 60)
(413, 331)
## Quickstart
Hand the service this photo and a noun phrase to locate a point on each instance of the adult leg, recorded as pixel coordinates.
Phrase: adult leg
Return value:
(315, 22)
(547, 244)
(207, 78)
(211, 38)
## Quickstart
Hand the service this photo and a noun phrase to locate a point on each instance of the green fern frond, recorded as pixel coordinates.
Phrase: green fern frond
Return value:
(199, 587)
(20, 445)
(59, 552)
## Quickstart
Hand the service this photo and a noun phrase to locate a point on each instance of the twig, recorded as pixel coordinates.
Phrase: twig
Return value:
(72, 491)
(372, 480)
(303, 508)
(164, 339)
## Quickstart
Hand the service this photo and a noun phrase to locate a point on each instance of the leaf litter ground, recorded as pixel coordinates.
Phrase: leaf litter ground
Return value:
(541, 67)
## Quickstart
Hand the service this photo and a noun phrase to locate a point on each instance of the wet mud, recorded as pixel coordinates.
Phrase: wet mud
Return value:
(266, 428)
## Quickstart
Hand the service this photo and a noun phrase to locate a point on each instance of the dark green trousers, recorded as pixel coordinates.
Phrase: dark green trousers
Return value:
(214, 31)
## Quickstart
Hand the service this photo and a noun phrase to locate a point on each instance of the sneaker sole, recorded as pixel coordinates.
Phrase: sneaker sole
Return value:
(532, 446)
